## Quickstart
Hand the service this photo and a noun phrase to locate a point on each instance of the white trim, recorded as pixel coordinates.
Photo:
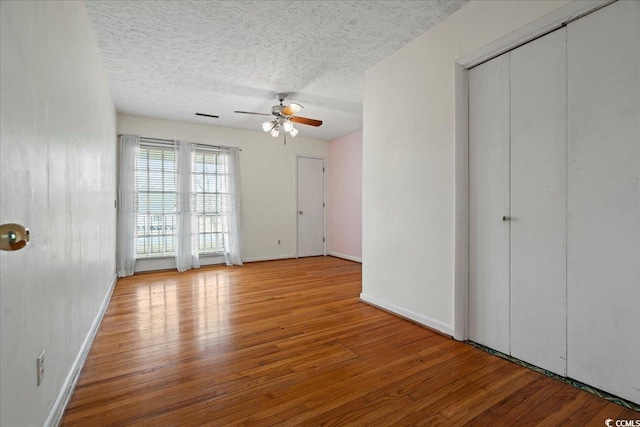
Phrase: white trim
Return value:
(347, 257)
(531, 31)
(268, 258)
(408, 314)
(461, 188)
(55, 416)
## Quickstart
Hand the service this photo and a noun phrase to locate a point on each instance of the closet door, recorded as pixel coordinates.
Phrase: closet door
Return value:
(488, 202)
(604, 199)
(538, 202)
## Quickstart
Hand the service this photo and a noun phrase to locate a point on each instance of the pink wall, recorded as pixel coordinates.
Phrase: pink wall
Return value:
(345, 196)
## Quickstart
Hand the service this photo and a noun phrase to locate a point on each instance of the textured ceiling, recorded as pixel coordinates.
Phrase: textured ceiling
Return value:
(171, 59)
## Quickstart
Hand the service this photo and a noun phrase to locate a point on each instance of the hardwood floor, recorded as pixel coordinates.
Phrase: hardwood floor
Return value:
(288, 342)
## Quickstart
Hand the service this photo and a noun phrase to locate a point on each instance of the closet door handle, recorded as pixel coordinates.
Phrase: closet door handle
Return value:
(506, 218)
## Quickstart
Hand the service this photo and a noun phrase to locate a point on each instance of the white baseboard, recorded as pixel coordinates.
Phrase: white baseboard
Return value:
(408, 314)
(347, 257)
(268, 258)
(55, 416)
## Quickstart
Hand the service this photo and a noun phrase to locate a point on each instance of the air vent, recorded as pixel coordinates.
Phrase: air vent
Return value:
(207, 115)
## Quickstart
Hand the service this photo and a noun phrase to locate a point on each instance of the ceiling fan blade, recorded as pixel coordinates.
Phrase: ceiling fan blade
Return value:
(249, 112)
(291, 109)
(306, 121)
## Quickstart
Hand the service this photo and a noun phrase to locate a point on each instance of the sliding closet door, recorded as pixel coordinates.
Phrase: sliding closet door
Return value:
(488, 202)
(604, 199)
(538, 202)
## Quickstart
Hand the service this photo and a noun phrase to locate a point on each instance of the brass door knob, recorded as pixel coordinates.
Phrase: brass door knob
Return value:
(13, 237)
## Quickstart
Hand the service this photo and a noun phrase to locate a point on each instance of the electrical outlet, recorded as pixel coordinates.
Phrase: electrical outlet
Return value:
(278, 241)
(40, 366)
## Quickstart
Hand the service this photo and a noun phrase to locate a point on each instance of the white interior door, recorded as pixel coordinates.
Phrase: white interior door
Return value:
(310, 206)
(604, 199)
(488, 203)
(538, 202)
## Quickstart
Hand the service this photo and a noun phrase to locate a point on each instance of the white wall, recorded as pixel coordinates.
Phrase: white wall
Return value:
(408, 161)
(267, 174)
(57, 176)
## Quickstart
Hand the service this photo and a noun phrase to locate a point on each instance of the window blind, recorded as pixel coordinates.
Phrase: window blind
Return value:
(210, 188)
(156, 185)
(156, 178)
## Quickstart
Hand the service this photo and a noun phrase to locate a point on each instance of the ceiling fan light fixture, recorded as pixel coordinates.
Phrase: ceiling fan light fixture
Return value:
(293, 132)
(267, 126)
(275, 131)
(287, 126)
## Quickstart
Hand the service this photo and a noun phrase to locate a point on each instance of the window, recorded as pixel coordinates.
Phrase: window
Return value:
(156, 177)
(177, 199)
(156, 185)
(210, 180)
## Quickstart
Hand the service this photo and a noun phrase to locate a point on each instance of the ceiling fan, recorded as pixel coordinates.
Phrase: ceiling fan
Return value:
(283, 118)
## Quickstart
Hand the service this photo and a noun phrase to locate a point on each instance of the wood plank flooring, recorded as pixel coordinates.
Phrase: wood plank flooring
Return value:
(289, 343)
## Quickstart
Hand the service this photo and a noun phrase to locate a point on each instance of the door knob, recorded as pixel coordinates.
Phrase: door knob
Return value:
(299, 212)
(13, 237)
(506, 218)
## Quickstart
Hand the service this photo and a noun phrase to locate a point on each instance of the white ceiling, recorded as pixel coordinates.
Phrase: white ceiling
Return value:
(171, 59)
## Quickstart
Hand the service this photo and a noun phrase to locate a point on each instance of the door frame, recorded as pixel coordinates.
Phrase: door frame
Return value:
(324, 199)
(546, 24)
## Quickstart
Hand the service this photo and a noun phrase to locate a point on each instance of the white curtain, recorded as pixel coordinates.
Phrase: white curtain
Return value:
(187, 220)
(127, 206)
(231, 213)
